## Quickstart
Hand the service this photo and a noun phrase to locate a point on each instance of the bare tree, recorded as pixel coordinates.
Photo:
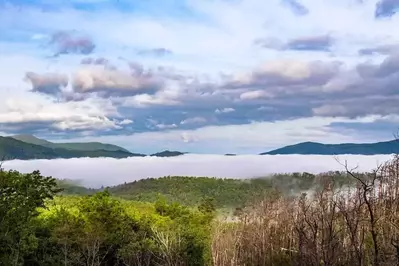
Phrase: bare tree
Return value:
(353, 225)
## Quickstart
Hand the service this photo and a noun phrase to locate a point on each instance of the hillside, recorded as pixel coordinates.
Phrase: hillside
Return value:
(190, 190)
(228, 193)
(11, 148)
(307, 148)
(31, 139)
(168, 153)
(78, 146)
(70, 187)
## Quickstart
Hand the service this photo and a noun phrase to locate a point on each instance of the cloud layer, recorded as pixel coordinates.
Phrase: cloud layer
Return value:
(95, 172)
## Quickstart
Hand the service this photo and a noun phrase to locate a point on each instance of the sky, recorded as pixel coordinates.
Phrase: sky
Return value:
(201, 76)
(95, 172)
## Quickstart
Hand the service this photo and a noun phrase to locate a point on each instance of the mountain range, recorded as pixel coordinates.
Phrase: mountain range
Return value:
(77, 146)
(26, 147)
(308, 148)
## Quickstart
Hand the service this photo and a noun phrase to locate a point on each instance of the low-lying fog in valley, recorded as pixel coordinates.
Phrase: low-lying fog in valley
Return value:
(97, 172)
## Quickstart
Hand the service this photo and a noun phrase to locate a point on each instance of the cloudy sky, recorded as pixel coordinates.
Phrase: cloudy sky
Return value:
(206, 76)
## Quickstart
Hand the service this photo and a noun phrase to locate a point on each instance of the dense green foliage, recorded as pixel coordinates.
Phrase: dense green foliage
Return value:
(11, 148)
(387, 147)
(20, 197)
(190, 190)
(97, 229)
(80, 146)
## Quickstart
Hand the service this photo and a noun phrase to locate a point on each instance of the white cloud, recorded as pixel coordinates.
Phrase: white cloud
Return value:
(165, 126)
(187, 138)
(97, 78)
(94, 172)
(146, 100)
(253, 95)
(126, 122)
(88, 115)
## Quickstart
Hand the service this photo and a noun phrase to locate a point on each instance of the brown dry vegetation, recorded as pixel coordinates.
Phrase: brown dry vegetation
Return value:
(347, 226)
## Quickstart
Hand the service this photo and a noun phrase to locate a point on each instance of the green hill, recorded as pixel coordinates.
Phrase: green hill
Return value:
(77, 146)
(11, 148)
(88, 146)
(228, 193)
(308, 148)
(190, 190)
(70, 187)
(31, 139)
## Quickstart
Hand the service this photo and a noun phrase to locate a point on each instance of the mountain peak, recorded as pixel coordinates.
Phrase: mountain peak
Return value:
(30, 139)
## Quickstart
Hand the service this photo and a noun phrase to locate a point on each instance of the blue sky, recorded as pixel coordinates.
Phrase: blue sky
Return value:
(207, 76)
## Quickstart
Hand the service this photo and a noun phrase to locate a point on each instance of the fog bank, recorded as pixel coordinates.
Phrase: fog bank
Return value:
(96, 172)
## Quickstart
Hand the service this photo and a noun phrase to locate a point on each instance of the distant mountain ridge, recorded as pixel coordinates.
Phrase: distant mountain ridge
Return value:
(35, 148)
(315, 148)
(27, 147)
(77, 146)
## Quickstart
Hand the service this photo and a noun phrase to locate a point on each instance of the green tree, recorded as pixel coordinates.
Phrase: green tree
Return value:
(66, 228)
(20, 197)
(207, 206)
(107, 227)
